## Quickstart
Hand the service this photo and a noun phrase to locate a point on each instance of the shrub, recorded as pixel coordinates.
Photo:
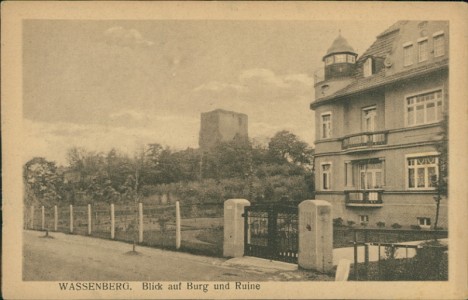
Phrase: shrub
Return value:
(430, 262)
(364, 224)
(396, 226)
(381, 224)
(338, 222)
(415, 227)
(351, 223)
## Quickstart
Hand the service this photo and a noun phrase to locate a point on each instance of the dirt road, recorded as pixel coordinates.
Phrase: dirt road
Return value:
(71, 257)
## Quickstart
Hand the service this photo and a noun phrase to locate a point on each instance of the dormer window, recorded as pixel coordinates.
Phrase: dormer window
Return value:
(422, 49)
(408, 54)
(368, 67)
(439, 44)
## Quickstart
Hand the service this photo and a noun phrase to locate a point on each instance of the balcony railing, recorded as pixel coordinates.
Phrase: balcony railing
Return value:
(370, 198)
(367, 139)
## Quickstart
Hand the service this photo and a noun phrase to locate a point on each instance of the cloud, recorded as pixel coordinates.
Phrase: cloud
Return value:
(261, 76)
(259, 79)
(216, 86)
(272, 101)
(52, 140)
(137, 115)
(120, 36)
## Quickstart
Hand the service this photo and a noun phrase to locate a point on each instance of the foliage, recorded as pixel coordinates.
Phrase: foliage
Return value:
(282, 171)
(285, 146)
(43, 184)
(396, 226)
(338, 222)
(380, 224)
(351, 223)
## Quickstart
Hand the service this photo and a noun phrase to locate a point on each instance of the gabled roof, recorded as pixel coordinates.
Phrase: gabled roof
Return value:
(380, 49)
(380, 79)
(384, 43)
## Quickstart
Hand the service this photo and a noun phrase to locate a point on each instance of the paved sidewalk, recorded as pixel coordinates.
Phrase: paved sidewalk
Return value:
(71, 257)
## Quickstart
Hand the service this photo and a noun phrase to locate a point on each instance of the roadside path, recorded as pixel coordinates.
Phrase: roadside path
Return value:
(71, 257)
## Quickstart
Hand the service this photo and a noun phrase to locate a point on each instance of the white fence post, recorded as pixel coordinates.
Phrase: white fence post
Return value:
(42, 217)
(89, 219)
(140, 225)
(32, 217)
(55, 217)
(178, 237)
(112, 221)
(315, 235)
(71, 218)
(233, 245)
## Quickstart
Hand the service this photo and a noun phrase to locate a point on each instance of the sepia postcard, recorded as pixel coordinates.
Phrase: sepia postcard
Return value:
(234, 150)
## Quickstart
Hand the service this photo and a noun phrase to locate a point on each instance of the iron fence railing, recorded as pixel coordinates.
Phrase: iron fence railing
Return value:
(389, 256)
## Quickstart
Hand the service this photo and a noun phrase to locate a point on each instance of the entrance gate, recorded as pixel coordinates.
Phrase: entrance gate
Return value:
(271, 231)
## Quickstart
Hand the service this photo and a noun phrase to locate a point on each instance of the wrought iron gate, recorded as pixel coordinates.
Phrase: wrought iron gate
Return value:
(271, 231)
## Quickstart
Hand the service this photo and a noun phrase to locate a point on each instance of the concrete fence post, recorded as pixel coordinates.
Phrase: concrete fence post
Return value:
(55, 218)
(178, 237)
(89, 219)
(315, 235)
(233, 245)
(42, 218)
(31, 218)
(140, 222)
(71, 218)
(112, 221)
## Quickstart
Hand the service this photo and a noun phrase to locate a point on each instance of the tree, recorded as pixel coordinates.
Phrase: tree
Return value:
(42, 182)
(441, 181)
(287, 147)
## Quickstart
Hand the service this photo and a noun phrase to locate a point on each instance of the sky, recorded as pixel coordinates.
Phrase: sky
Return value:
(122, 84)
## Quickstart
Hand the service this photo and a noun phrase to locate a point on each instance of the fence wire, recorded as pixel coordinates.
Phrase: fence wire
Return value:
(201, 224)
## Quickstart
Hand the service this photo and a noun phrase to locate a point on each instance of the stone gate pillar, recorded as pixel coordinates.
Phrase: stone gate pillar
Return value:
(315, 235)
(233, 245)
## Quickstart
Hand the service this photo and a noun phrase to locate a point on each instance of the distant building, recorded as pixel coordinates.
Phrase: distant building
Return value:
(377, 122)
(222, 126)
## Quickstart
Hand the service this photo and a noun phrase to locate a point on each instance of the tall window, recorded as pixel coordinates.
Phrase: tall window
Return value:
(408, 54)
(370, 176)
(424, 108)
(326, 176)
(351, 58)
(422, 50)
(365, 174)
(329, 60)
(422, 172)
(326, 126)
(369, 115)
(439, 45)
(368, 67)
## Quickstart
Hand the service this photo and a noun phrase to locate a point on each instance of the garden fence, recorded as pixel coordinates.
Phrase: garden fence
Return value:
(201, 225)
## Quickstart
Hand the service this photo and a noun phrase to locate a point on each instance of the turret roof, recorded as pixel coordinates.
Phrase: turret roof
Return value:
(340, 44)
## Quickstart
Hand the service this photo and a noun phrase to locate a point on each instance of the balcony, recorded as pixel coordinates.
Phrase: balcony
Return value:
(364, 140)
(364, 198)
